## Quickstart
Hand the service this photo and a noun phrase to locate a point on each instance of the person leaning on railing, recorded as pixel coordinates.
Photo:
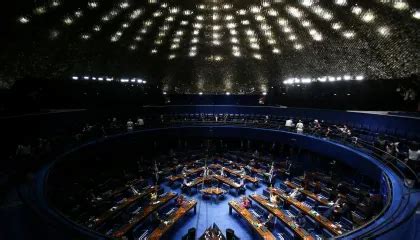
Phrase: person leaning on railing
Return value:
(413, 159)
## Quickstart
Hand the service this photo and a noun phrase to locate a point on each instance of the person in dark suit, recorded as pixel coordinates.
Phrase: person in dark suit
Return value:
(269, 223)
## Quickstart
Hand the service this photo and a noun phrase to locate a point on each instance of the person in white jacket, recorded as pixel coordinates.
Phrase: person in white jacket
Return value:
(289, 123)
(299, 127)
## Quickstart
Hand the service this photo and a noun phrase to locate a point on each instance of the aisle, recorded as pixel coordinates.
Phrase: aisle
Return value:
(209, 211)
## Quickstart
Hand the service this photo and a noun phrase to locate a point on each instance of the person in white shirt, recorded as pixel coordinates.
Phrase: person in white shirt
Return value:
(270, 174)
(295, 193)
(222, 172)
(289, 123)
(134, 190)
(242, 182)
(299, 127)
(413, 152)
(242, 171)
(140, 122)
(130, 125)
(273, 199)
(184, 170)
(186, 183)
(206, 172)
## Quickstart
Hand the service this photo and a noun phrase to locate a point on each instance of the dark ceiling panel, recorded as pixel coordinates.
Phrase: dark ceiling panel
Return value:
(213, 46)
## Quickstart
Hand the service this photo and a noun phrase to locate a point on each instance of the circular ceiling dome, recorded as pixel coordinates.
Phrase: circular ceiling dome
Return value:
(235, 46)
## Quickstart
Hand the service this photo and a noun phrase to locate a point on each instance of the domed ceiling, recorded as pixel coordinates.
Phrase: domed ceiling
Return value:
(213, 46)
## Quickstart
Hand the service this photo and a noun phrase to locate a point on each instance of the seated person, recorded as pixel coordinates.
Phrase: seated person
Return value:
(153, 196)
(185, 183)
(252, 162)
(343, 211)
(207, 172)
(246, 203)
(334, 210)
(295, 193)
(241, 171)
(342, 188)
(269, 223)
(249, 168)
(317, 187)
(177, 167)
(130, 125)
(135, 192)
(273, 199)
(301, 220)
(156, 218)
(222, 172)
(184, 170)
(180, 200)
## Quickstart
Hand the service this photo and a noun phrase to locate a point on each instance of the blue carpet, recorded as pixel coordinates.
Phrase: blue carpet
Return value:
(210, 211)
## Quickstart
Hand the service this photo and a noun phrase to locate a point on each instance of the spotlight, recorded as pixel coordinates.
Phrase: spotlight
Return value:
(360, 78)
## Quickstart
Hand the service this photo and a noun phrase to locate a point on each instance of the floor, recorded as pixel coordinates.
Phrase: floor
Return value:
(210, 211)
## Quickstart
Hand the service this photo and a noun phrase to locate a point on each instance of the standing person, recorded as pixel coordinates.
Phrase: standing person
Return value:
(299, 127)
(130, 125)
(156, 174)
(270, 175)
(289, 123)
(413, 159)
(222, 172)
(328, 132)
(316, 126)
(140, 122)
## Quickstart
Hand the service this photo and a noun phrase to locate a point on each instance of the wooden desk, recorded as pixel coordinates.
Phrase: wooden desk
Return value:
(228, 181)
(198, 181)
(235, 173)
(178, 214)
(323, 221)
(181, 176)
(258, 171)
(213, 191)
(262, 231)
(310, 194)
(116, 209)
(123, 188)
(153, 206)
(301, 232)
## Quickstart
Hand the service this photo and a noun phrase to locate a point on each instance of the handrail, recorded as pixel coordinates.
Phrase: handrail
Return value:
(337, 138)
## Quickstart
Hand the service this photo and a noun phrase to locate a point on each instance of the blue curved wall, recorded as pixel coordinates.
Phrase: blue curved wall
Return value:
(393, 125)
(399, 207)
